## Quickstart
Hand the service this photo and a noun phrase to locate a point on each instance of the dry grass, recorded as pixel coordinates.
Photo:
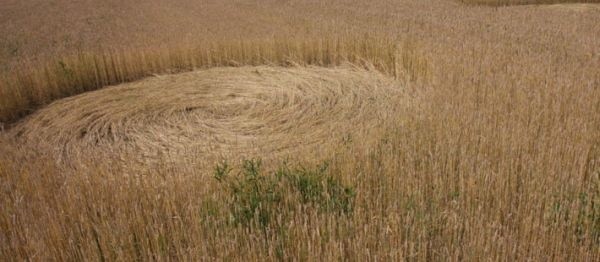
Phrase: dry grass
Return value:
(221, 113)
(525, 2)
(489, 151)
(26, 88)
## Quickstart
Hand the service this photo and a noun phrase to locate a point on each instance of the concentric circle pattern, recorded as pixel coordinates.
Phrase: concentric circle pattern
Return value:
(218, 113)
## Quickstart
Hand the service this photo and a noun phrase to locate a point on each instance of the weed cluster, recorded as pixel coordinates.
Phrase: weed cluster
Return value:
(261, 199)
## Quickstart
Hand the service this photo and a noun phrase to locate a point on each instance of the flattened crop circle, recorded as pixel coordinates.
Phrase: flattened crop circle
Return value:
(242, 112)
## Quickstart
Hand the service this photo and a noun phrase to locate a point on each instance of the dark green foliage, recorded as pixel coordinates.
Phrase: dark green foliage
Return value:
(316, 187)
(259, 198)
(221, 170)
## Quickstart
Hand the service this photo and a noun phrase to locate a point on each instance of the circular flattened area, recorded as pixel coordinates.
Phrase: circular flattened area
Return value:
(245, 112)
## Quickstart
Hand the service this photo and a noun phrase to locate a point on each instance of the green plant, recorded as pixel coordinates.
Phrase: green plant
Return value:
(257, 198)
(316, 187)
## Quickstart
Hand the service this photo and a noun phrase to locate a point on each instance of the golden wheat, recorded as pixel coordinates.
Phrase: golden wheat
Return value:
(525, 2)
(221, 113)
(490, 151)
(26, 88)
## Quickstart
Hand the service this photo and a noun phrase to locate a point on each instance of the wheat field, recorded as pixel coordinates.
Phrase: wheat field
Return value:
(226, 113)
(300, 130)
(527, 2)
